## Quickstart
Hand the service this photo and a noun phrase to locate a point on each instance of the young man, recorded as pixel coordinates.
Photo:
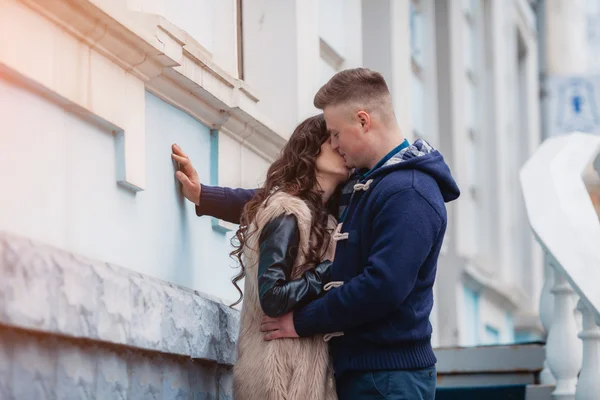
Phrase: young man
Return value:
(391, 229)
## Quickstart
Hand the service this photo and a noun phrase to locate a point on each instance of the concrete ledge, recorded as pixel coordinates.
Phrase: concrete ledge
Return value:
(49, 290)
(491, 359)
(486, 366)
(516, 392)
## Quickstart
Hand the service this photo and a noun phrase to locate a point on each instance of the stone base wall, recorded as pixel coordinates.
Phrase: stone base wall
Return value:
(74, 328)
(42, 367)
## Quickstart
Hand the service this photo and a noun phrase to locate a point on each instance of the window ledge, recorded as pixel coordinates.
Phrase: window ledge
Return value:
(223, 226)
(330, 55)
(417, 68)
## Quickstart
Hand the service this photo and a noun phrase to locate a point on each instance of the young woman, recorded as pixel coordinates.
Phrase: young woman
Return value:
(285, 232)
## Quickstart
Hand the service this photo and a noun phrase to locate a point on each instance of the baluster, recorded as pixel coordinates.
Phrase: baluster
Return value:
(546, 313)
(588, 387)
(563, 350)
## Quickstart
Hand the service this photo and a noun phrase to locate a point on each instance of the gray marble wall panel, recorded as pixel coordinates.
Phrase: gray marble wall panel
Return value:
(50, 290)
(75, 328)
(40, 366)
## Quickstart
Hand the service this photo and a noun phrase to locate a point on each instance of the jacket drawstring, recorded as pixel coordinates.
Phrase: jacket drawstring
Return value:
(338, 235)
(333, 284)
(363, 186)
(328, 286)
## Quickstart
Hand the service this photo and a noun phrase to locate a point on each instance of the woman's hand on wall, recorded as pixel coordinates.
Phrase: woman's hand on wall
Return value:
(187, 175)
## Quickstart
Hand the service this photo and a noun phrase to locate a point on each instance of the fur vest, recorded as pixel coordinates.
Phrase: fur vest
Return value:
(283, 369)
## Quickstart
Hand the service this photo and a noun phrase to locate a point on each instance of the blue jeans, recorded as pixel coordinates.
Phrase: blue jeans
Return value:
(393, 385)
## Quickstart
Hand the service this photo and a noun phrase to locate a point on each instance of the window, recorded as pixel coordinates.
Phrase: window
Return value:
(509, 332)
(331, 61)
(416, 33)
(492, 335)
(332, 24)
(418, 100)
(469, 48)
(469, 8)
(240, 39)
(525, 337)
(331, 38)
(523, 258)
(417, 53)
(471, 32)
(471, 317)
(593, 33)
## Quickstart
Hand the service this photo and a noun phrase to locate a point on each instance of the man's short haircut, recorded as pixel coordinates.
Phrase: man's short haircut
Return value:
(361, 86)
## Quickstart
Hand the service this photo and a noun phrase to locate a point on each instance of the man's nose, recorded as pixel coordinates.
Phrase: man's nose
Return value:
(334, 144)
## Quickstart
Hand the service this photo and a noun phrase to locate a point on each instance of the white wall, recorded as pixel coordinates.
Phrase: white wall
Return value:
(387, 50)
(340, 26)
(332, 23)
(281, 53)
(59, 180)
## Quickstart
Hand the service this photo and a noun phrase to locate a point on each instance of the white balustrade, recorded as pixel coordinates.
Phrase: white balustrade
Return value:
(565, 223)
(588, 386)
(546, 312)
(563, 349)
(571, 365)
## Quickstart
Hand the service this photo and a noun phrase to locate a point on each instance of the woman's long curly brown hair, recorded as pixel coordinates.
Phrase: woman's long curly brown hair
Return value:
(295, 173)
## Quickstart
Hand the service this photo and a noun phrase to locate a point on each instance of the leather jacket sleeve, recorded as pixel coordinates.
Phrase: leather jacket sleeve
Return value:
(278, 294)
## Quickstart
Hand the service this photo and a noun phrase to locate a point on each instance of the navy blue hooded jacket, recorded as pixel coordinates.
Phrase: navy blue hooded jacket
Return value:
(389, 241)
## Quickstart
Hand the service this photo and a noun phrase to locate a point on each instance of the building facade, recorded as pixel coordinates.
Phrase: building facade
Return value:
(491, 274)
(93, 93)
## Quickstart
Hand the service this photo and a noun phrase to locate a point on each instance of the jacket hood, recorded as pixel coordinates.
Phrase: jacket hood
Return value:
(423, 157)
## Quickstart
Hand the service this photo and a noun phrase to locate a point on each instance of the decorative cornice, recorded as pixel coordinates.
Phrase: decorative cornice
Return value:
(207, 92)
(112, 34)
(154, 55)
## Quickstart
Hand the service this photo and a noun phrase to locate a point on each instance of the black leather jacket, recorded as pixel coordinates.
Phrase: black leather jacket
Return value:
(279, 242)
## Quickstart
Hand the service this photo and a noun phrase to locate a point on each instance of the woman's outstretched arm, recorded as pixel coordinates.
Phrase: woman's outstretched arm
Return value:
(223, 203)
(219, 202)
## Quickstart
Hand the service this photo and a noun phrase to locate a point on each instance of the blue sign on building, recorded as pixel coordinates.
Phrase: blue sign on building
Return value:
(577, 108)
(573, 105)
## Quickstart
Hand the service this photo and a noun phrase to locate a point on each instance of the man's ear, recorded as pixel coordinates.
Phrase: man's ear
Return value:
(365, 120)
